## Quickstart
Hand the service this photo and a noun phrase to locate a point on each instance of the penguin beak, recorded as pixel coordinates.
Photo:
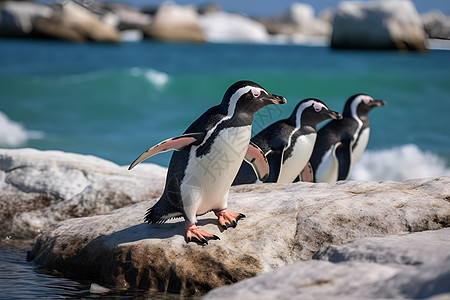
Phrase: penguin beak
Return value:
(274, 99)
(376, 103)
(333, 114)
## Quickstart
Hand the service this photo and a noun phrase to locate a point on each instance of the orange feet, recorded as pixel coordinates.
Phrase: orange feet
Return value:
(193, 234)
(228, 218)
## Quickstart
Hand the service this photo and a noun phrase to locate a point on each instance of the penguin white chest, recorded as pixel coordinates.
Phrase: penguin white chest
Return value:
(361, 145)
(300, 155)
(208, 177)
(327, 170)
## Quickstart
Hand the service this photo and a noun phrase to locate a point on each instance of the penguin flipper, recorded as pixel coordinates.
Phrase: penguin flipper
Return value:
(307, 173)
(175, 143)
(343, 155)
(275, 158)
(256, 158)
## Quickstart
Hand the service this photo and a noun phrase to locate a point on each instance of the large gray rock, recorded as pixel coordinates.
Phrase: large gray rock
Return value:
(284, 223)
(175, 23)
(393, 24)
(40, 188)
(437, 25)
(410, 266)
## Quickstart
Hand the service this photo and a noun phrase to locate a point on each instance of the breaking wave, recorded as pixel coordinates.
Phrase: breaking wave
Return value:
(13, 134)
(157, 78)
(399, 164)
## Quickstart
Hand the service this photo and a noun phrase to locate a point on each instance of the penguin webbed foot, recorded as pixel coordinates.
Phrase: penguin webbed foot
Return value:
(194, 234)
(228, 219)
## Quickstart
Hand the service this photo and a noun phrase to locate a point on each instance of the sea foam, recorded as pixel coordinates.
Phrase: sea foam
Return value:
(13, 134)
(157, 78)
(398, 164)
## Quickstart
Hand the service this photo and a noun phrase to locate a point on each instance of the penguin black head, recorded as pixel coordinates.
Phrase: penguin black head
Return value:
(311, 111)
(359, 105)
(247, 97)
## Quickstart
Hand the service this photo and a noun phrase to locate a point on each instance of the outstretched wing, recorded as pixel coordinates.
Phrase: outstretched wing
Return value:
(258, 160)
(175, 143)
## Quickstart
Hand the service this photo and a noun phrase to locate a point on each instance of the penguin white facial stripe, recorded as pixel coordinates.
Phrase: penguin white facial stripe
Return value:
(317, 107)
(238, 94)
(361, 98)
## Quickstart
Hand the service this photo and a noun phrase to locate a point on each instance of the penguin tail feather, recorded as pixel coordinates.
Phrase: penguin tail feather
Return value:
(160, 213)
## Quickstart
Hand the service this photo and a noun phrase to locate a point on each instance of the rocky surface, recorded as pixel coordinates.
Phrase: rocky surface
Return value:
(284, 224)
(378, 25)
(411, 266)
(40, 188)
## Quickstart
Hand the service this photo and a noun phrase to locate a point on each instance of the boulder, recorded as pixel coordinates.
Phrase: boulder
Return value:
(175, 23)
(299, 25)
(284, 224)
(41, 188)
(62, 20)
(128, 17)
(73, 22)
(410, 266)
(17, 19)
(223, 27)
(393, 24)
(437, 25)
(301, 15)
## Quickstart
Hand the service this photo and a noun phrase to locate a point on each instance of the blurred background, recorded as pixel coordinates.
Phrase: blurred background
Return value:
(111, 79)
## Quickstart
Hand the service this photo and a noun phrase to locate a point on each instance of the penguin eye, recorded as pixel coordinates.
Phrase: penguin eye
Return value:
(317, 107)
(367, 100)
(256, 92)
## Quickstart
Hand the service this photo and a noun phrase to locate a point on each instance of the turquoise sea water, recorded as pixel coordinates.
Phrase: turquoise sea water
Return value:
(115, 101)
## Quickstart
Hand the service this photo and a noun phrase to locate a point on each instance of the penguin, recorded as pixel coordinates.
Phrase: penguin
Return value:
(340, 143)
(288, 143)
(208, 157)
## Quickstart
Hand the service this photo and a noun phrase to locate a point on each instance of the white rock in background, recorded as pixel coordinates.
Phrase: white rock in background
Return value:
(128, 17)
(437, 25)
(222, 27)
(302, 15)
(388, 24)
(18, 18)
(175, 23)
(40, 188)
